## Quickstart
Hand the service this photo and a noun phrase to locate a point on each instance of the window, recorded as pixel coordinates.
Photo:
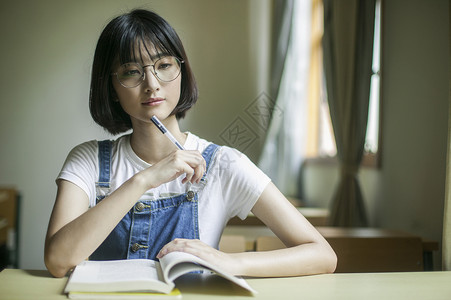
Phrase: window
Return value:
(321, 142)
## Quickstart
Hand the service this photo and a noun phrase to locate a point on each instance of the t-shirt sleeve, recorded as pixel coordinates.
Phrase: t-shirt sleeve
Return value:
(81, 168)
(242, 181)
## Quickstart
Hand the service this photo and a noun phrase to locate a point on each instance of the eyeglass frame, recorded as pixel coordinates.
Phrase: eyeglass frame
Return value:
(143, 77)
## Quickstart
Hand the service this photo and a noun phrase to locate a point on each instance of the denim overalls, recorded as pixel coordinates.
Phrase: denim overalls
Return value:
(150, 224)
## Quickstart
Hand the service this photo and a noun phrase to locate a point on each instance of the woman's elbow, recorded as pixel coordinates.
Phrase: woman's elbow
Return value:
(57, 270)
(333, 260)
(57, 267)
(330, 260)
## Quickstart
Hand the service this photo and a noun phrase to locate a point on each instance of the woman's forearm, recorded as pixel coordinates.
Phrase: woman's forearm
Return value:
(308, 258)
(305, 259)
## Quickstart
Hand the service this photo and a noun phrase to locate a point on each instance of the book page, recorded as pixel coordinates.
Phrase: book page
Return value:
(175, 264)
(117, 275)
(112, 271)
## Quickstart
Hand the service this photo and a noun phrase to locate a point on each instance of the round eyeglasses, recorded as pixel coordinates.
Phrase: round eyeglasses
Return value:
(166, 69)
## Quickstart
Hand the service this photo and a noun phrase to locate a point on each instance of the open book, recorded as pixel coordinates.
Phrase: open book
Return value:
(139, 276)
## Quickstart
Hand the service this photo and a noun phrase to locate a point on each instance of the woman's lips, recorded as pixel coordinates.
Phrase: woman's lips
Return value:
(153, 101)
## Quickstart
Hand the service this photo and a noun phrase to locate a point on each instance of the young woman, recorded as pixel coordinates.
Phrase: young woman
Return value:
(141, 197)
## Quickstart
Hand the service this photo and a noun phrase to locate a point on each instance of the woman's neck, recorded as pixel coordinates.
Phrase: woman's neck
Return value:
(151, 145)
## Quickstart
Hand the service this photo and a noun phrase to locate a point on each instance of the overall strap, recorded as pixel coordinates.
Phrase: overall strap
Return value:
(104, 163)
(209, 154)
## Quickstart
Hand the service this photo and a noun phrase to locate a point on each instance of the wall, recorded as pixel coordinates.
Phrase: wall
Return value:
(412, 190)
(408, 191)
(46, 55)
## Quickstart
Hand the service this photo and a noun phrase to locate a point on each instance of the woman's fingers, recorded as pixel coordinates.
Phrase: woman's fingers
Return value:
(203, 251)
(181, 162)
(194, 165)
(192, 246)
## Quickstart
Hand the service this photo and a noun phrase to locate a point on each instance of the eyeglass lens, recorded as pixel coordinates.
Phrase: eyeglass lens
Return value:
(166, 69)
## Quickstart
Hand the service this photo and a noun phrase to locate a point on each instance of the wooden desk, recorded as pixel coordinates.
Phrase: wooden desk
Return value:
(38, 285)
(316, 216)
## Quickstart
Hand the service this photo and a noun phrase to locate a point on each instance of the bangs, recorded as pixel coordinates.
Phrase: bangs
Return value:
(142, 42)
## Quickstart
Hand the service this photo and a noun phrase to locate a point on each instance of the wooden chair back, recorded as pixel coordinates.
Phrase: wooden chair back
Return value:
(232, 243)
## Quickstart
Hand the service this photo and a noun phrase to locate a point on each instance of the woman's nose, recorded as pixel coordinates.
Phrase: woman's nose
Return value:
(151, 81)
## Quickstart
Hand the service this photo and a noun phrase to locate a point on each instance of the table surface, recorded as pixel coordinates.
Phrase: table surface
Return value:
(29, 284)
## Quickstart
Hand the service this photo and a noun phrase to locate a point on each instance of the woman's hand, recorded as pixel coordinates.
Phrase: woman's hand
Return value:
(189, 162)
(223, 260)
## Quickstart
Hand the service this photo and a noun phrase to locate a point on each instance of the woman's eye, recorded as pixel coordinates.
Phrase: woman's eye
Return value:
(164, 66)
(131, 73)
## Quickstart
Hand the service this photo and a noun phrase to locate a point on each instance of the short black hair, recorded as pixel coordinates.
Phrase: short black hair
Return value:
(120, 39)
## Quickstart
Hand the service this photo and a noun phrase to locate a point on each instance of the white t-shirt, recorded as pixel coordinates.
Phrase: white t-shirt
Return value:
(234, 182)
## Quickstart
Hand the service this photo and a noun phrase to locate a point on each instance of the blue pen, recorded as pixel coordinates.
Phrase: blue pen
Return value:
(166, 132)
